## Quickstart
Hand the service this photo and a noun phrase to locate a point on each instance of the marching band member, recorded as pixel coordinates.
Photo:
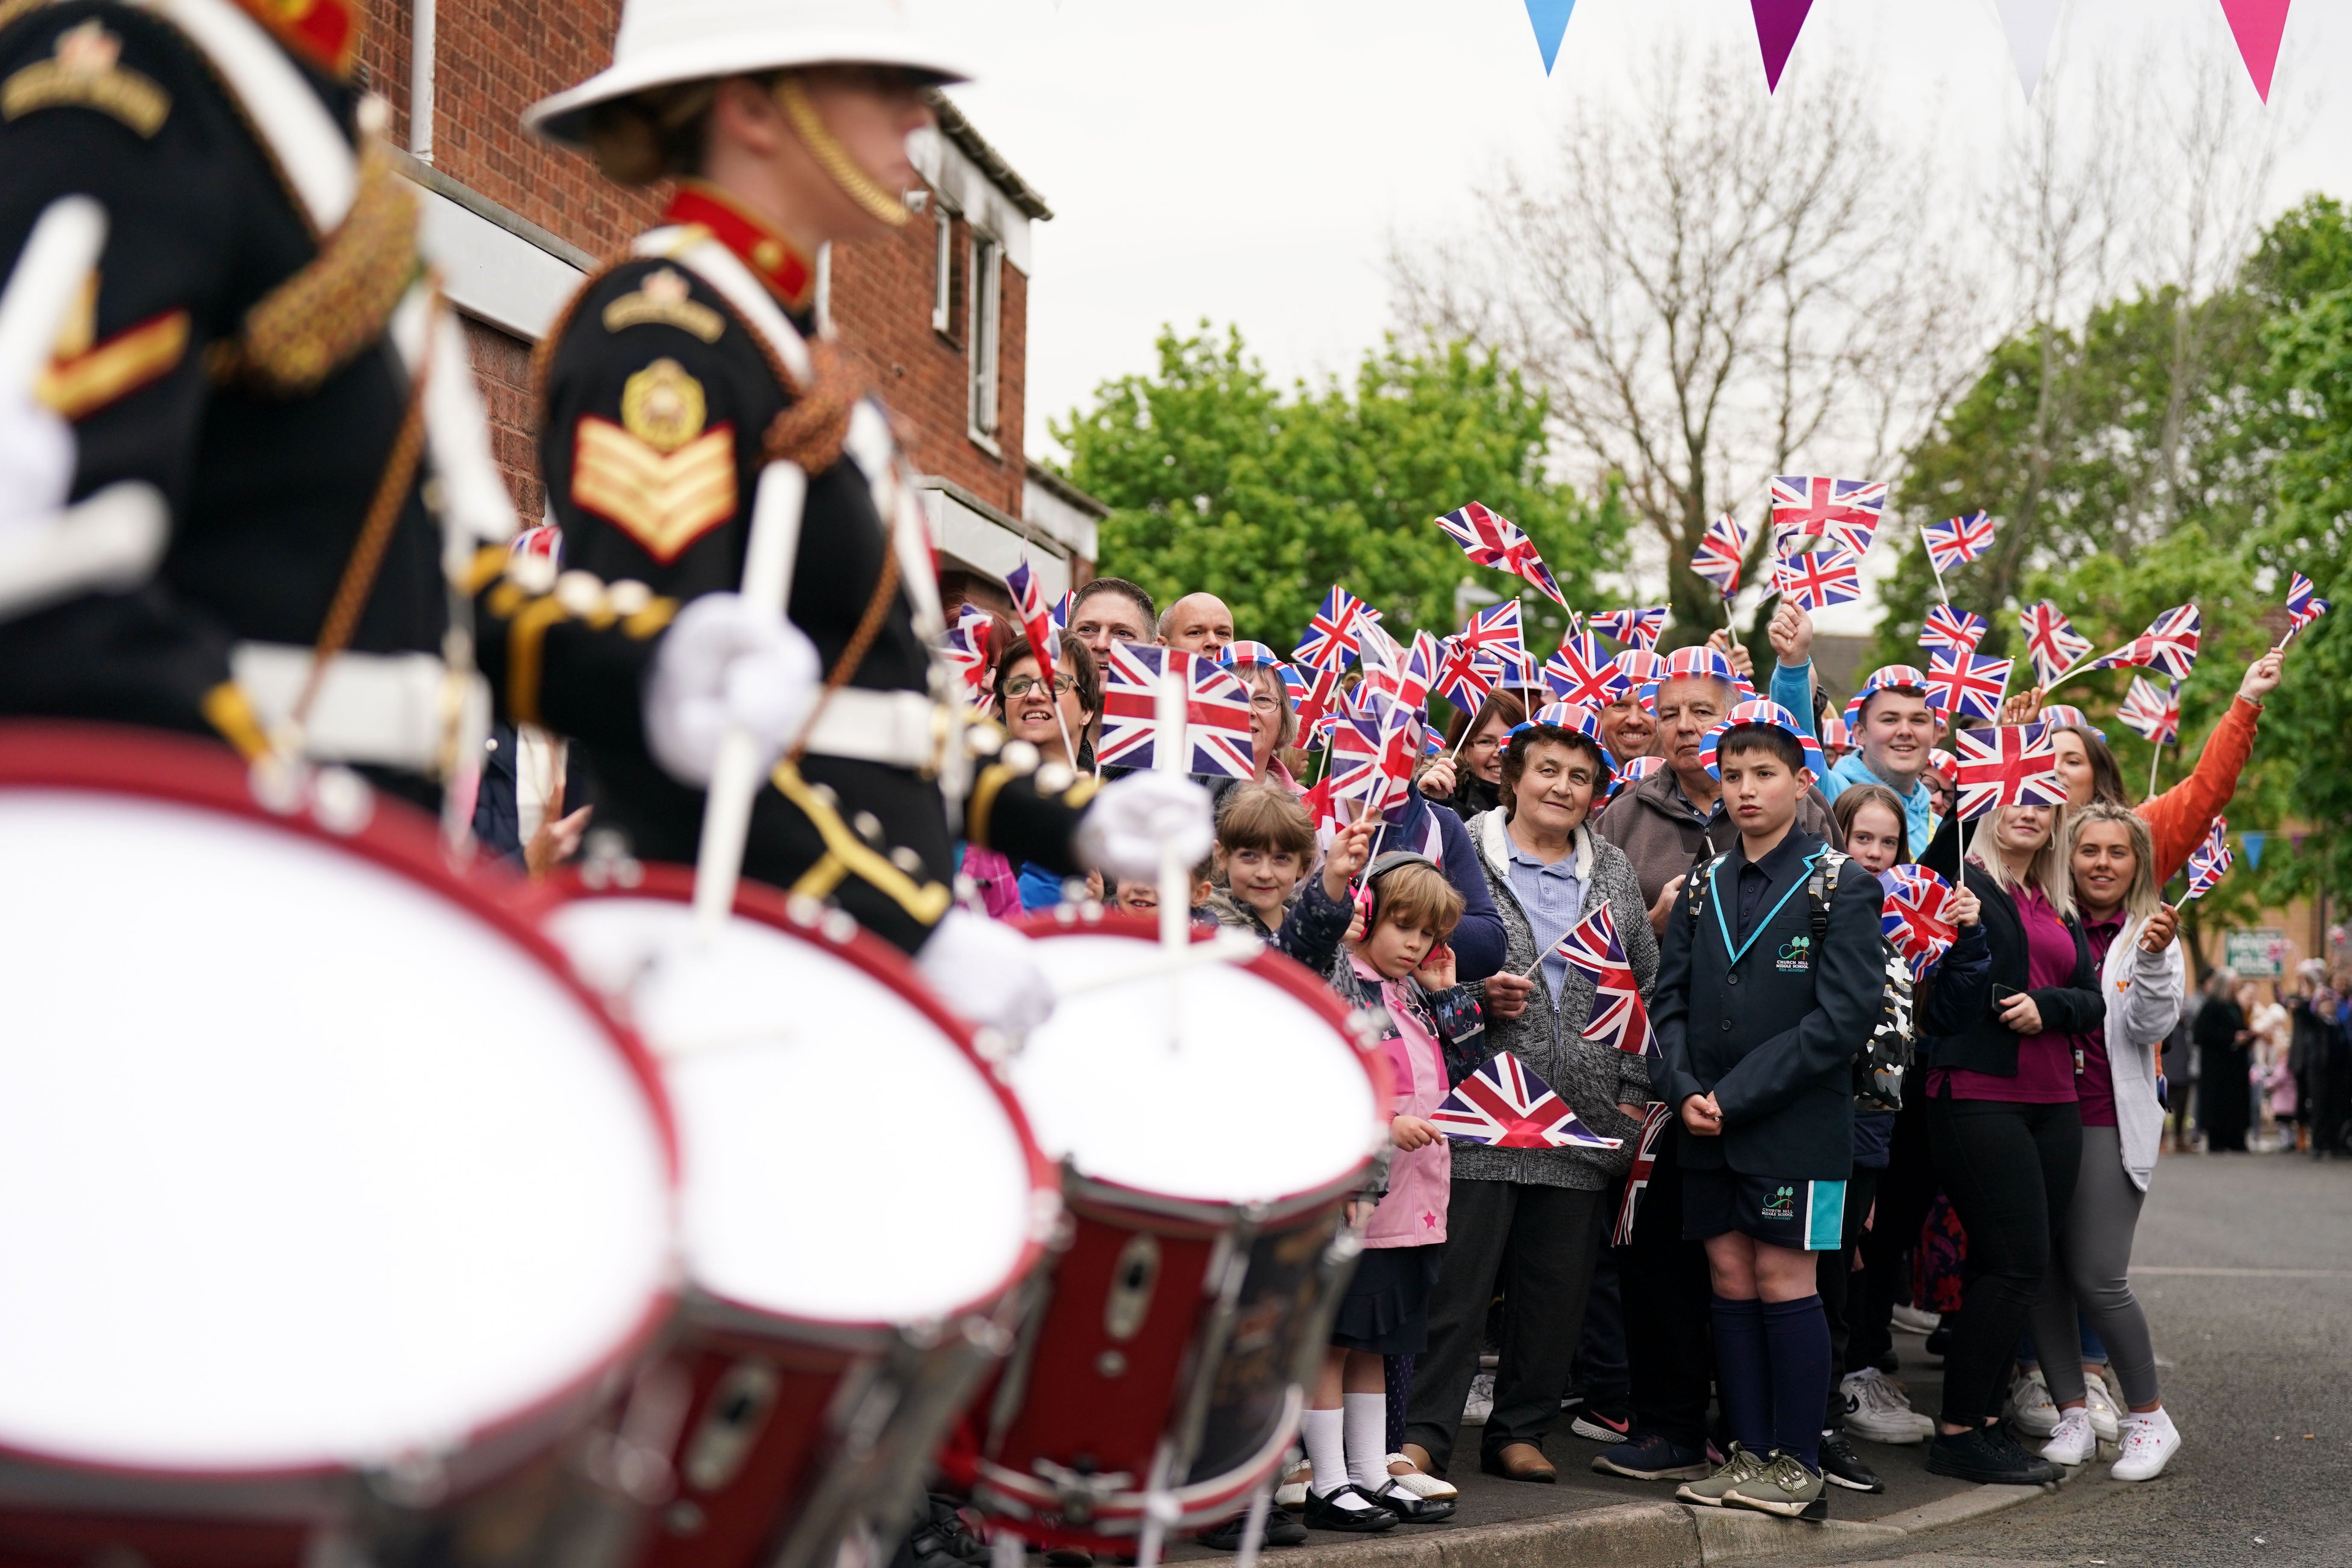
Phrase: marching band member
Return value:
(689, 387)
(259, 369)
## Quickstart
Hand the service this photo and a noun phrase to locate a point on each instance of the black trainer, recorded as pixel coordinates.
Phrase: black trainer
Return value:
(1281, 1529)
(1841, 1466)
(1982, 1457)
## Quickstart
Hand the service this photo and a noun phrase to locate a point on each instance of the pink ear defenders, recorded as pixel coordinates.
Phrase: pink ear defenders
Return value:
(1368, 897)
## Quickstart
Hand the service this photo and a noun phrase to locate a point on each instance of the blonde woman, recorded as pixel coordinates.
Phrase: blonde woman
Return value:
(2111, 857)
(2006, 1127)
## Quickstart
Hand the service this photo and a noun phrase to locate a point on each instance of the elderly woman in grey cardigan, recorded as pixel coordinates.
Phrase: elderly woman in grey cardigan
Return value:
(1533, 1220)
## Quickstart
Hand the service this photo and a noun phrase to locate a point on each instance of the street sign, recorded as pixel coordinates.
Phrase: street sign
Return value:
(2256, 954)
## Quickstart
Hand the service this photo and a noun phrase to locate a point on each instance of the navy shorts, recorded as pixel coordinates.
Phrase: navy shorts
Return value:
(1806, 1216)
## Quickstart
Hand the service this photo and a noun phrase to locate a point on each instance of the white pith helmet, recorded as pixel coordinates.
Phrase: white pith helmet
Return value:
(663, 42)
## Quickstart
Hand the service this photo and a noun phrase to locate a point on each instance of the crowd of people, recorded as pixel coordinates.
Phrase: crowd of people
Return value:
(1728, 1326)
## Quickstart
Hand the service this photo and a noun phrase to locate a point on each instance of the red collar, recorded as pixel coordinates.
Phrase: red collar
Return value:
(325, 32)
(757, 243)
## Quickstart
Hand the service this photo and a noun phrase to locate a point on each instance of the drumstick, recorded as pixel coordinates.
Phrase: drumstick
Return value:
(49, 275)
(736, 778)
(1173, 706)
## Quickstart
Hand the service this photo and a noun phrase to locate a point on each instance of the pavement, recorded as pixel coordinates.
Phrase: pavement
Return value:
(2244, 1263)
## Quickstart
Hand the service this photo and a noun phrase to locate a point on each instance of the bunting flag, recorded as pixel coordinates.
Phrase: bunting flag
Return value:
(2014, 765)
(1843, 511)
(1505, 1106)
(1036, 618)
(1777, 23)
(1217, 716)
(1959, 539)
(1550, 19)
(2170, 645)
(1332, 635)
(2258, 26)
(1654, 1123)
(1641, 628)
(1962, 686)
(1917, 916)
(2029, 24)
(2151, 714)
(1719, 553)
(1618, 1017)
(1491, 539)
(2051, 640)
(1813, 583)
(2210, 861)
(1955, 631)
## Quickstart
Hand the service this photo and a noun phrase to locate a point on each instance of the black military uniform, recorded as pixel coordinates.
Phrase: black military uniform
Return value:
(663, 403)
(232, 354)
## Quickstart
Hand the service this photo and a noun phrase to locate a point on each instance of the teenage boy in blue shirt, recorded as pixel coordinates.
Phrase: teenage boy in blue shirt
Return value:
(1759, 1024)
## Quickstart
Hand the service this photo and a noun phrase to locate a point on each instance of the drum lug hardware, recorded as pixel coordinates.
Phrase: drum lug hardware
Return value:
(341, 800)
(732, 1420)
(415, 1480)
(607, 863)
(1110, 1364)
(1132, 1277)
(1078, 1490)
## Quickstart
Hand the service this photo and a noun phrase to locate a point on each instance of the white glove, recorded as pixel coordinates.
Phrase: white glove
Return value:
(1134, 820)
(987, 971)
(37, 465)
(726, 663)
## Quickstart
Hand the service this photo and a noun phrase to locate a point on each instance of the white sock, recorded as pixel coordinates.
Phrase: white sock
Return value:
(1367, 1420)
(1324, 1434)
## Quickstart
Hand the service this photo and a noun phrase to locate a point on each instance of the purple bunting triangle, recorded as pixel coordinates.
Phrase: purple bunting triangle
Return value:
(2258, 26)
(1777, 23)
(1550, 20)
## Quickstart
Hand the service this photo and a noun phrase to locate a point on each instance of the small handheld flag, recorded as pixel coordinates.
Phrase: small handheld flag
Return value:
(1332, 635)
(1505, 1106)
(1917, 916)
(1216, 720)
(1654, 1123)
(1814, 506)
(1618, 1017)
(2303, 606)
(1826, 577)
(2014, 765)
(2168, 644)
(1580, 672)
(2210, 861)
(1029, 607)
(1641, 628)
(2051, 640)
(1958, 631)
(2153, 715)
(1719, 553)
(1961, 538)
(1962, 686)
(1491, 539)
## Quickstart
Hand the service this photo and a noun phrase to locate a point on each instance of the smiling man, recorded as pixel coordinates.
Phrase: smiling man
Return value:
(1197, 623)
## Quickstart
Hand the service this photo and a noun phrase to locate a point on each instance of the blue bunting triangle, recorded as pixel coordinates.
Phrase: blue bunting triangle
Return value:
(1550, 19)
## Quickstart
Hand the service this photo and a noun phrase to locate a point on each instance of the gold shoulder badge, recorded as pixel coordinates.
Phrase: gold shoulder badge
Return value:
(87, 73)
(658, 474)
(664, 300)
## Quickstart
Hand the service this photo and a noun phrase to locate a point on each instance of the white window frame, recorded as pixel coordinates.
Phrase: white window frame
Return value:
(943, 272)
(987, 261)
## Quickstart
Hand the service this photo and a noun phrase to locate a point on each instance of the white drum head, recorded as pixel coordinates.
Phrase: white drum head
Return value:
(302, 1163)
(846, 1162)
(1211, 1083)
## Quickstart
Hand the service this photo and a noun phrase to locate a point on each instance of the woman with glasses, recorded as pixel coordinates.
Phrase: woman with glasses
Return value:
(1273, 723)
(1053, 717)
(1469, 776)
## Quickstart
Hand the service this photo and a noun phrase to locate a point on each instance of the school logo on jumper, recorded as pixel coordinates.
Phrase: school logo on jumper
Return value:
(1795, 953)
(1783, 1204)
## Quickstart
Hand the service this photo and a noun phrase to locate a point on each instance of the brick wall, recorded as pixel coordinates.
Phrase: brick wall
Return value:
(502, 365)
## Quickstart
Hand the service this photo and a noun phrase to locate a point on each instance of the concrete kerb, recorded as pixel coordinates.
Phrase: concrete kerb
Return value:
(1643, 1535)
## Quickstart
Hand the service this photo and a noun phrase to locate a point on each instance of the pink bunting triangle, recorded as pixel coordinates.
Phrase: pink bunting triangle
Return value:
(2259, 25)
(1777, 23)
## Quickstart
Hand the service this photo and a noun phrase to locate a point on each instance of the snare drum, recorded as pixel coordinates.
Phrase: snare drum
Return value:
(331, 1208)
(862, 1204)
(1214, 1119)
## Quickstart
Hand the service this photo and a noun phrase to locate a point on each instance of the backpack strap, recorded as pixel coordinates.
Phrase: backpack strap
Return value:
(1820, 888)
(1702, 882)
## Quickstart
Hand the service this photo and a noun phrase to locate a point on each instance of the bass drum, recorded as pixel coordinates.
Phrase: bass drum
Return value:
(333, 1210)
(1214, 1117)
(862, 1204)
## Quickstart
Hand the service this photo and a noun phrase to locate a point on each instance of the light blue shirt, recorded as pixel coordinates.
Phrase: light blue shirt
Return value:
(1553, 898)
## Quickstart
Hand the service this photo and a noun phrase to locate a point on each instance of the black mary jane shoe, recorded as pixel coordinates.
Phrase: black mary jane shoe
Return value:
(1412, 1509)
(1323, 1513)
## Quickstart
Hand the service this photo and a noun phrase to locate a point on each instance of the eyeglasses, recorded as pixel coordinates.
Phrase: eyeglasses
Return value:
(1266, 703)
(1023, 684)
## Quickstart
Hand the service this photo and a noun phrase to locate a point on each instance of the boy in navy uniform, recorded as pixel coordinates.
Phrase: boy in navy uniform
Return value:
(1758, 1021)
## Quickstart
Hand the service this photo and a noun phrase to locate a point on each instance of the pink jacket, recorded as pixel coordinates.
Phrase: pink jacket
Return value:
(1414, 1212)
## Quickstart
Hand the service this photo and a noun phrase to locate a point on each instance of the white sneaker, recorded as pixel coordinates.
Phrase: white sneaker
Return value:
(2031, 1409)
(1292, 1492)
(1877, 1408)
(2072, 1443)
(1403, 1473)
(2149, 1443)
(1481, 1403)
(1912, 1320)
(2106, 1419)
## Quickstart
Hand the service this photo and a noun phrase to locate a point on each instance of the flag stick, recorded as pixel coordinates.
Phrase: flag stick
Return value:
(2289, 638)
(2154, 763)
(1174, 700)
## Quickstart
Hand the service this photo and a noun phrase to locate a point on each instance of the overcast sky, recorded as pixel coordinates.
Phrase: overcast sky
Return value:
(1248, 161)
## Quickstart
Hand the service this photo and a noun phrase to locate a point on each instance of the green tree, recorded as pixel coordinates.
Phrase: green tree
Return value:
(1219, 481)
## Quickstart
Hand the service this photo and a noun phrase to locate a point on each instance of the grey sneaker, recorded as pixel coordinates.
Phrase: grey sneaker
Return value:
(1783, 1487)
(1710, 1493)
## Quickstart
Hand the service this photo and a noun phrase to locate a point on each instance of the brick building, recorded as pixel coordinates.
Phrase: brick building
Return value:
(936, 316)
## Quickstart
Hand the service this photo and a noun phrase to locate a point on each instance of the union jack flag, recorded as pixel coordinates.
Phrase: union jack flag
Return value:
(2153, 715)
(2170, 645)
(2303, 604)
(971, 670)
(1216, 720)
(1332, 634)
(1654, 1123)
(1490, 540)
(1917, 916)
(1618, 1018)
(1371, 762)
(1961, 685)
(1573, 716)
(2051, 640)
(1720, 551)
(1580, 672)
(1314, 697)
(2014, 765)
(2210, 861)
(1497, 627)
(1062, 610)
(1418, 671)
(1961, 538)
(1036, 618)
(1505, 1106)
(1642, 628)
(1824, 578)
(1846, 512)
(1957, 630)
(548, 540)
(971, 631)
(1463, 677)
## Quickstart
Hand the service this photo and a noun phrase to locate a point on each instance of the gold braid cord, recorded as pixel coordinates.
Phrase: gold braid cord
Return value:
(811, 431)
(834, 158)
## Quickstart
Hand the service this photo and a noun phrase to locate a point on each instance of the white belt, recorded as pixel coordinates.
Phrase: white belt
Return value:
(897, 729)
(390, 709)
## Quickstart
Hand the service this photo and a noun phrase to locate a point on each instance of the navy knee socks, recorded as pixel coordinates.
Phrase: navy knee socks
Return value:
(1772, 1366)
(1743, 1373)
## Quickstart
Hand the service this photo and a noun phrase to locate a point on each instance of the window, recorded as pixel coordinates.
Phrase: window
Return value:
(943, 273)
(987, 310)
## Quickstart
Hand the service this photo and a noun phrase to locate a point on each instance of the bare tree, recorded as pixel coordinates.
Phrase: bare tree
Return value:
(1713, 288)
